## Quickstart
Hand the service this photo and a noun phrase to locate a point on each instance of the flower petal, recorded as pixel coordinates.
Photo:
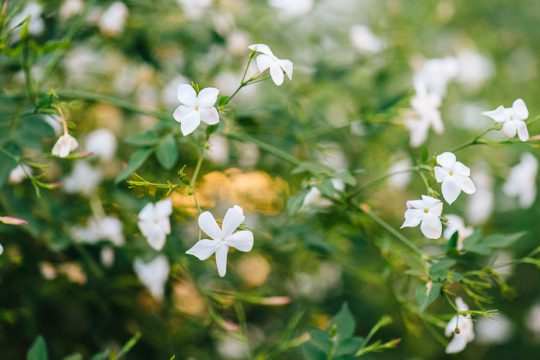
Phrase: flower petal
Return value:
(262, 48)
(287, 66)
(203, 249)
(221, 260)
(499, 114)
(241, 240)
(457, 344)
(522, 131)
(190, 123)
(430, 201)
(461, 169)
(147, 212)
(209, 115)
(163, 208)
(208, 224)
(264, 62)
(413, 217)
(451, 326)
(431, 226)
(450, 190)
(447, 160)
(415, 204)
(509, 129)
(277, 74)
(465, 183)
(186, 95)
(440, 174)
(232, 220)
(208, 97)
(520, 109)
(181, 112)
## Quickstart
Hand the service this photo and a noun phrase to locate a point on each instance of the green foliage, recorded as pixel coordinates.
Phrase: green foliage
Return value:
(38, 350)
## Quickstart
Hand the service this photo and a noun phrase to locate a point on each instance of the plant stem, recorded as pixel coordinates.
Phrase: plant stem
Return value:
(474, 141)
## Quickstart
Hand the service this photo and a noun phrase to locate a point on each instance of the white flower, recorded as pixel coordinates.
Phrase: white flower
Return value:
(436, 74)
(107, 256)
(532, 320)
(426, 109)
(100, 228)
(222, 238)
(521, 182)
(494, 330)
(403, 176)
(83, 179)
(196, 108)
(481, 203)
(153, 275)
(102, 143)
(454, 177)
(33, 10)
(426, 213)
(267, 60)
(474, 68)
(365, 41)
(464, 335)
(71, 8)
(64, 145)
(218, 150)
(113, 19)
(194, 9)
(456, 224)
(294, 8)
(154, 222)
(20, 173)
(512, 119)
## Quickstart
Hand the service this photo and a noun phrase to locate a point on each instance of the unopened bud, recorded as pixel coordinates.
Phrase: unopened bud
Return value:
(12, 221)
(276, 300)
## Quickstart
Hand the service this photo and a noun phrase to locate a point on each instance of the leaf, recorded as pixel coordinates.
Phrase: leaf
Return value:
(347, 177)
(311, 352)
(451, 245)
(440, 269)
(425, 295)
(135, 161)
(295, 202)
(223, 100)
(6, 165)
(473, 244)
(326, 187)
(38, 350)
(344, 322)
(320, 339)
(348, 346)
(148, 138)
(167, 152)
(476, 244)
(76, 356)
(103, 355)
(503, 240)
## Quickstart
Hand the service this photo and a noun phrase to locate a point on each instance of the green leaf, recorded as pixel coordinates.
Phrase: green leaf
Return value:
(6, 165)
(223, 100)
(103, 355)
(425, 296)
(148, 138)
(38, 350)
(295, 202)
(348, 346)
(503, 240)
(344, 322)
(135, 161)
(167, 152)
(347, 177)
(474, 244)
(326, 187)
(311, 352)
(440, 269)
(451, 245)
(76, 356)
(320, 339)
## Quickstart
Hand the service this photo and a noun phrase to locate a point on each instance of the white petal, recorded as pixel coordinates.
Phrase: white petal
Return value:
(413, 217)
(264, 62)
(210, 115)
(232, 220)
(415, 204)
(429, 201)
(465, 183)
(450, 190)
(437, 209)
(499, 114)
(186, 95)
(157, 241)
(208, 224)
(461, 169)
(451, 327)
(522, 131)
(458, 343)
(287, 66)
(203, 249)
(147, 212)
(461, 305)
(163, 208)
(208, 97)
(440, 174)
(509, 129)
(431, 226)
(181, 112)
(262, 48)
(277, 74)
(447, 160)
(520, 109)
(241, 240)
(190, 123)
(221, 260)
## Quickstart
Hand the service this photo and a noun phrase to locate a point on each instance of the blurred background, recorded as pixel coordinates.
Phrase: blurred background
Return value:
(345, 108)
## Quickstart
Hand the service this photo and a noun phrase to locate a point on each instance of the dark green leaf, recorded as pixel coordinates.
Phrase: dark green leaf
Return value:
(295, 202)
(440, 269)
(503, 240)
(135, 161)
(344, 322)
(326, 187)
(103, 355)
(348, 346)
(320, 339)
(311, 352)
(143, 139)
(167, 152)
(38, 350)
(425, 296)
(451, 245)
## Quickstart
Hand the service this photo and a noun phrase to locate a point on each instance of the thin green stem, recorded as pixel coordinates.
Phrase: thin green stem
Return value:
(474, 141)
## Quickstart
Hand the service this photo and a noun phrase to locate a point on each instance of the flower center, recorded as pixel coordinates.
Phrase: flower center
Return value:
(426, 211)
(197, 108)
(450, 173)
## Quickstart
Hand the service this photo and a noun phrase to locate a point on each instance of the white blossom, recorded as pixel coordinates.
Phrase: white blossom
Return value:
(32, 10)
(454, 176)
(107, 256)
(101, 142)
(222, 238)
(100, 228)
(21, 172)
(426, 112)
(71, 8)
(153, 275)
(83, 179)
(290, 8)
(474, 68)
(465, 334)
(194, 9)
(494, 330)
(195, 108)
(426, 213)
(64, 145)
(521, 181)
(218, 150)
(113, 20)
(154, 223)
(402, 175)
(267, 60)
(481, 203)
(435, 74)
(315, 200)
(512, 119)
(365, 41)
(456, 224)
(532, 320)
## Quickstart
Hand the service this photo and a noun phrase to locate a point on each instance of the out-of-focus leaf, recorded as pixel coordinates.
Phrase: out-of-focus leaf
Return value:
(135, 161)
(143, 139)
(320, 339)
(440, 269)
(348, 346)
(425, 295)
(100, 356)
(326, 187)
(6, 165)
(167, 152)
(451, 245)
(311, 352)
(344, 322)
(38, 350)
(295, 202)
(74, 357)
(503, 240)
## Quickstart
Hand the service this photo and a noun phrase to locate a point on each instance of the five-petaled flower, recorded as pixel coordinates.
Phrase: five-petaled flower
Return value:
(462, 328)
(64, 145)
(222, 238)
(454, 177)
(512, 119)
(154, 223)
(195, 108)
(267, 60)
(426, 213)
